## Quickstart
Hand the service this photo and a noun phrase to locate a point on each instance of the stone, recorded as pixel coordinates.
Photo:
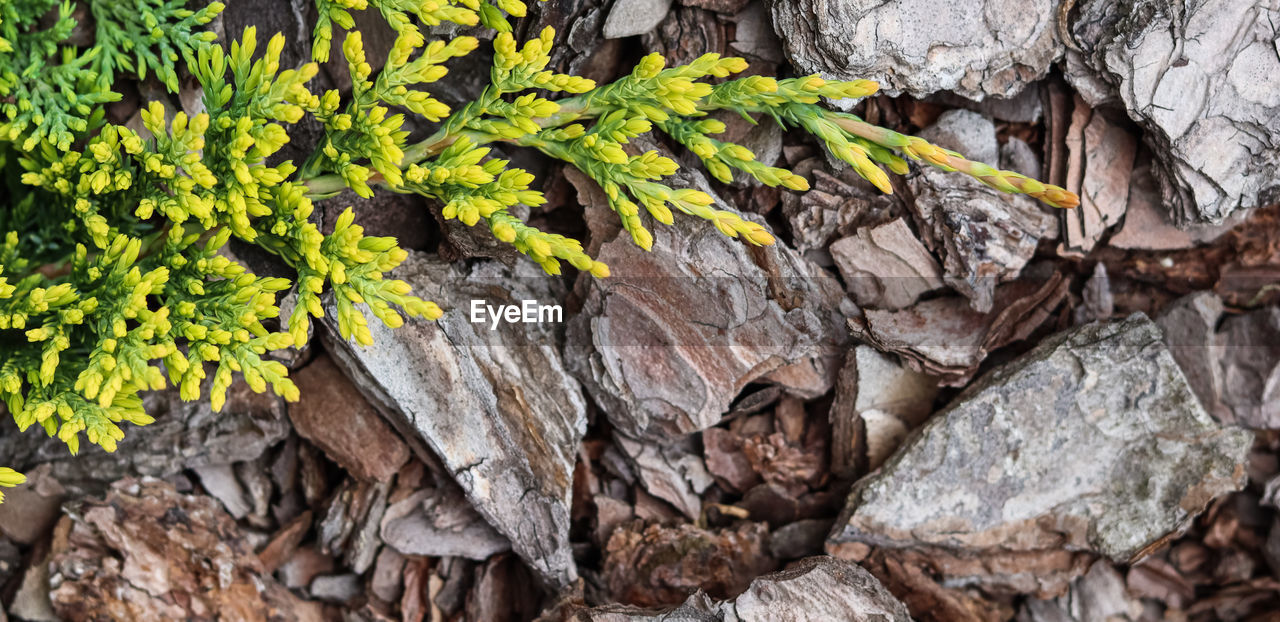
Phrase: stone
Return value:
(1251, 368)
(221, 483)
(440, 523)
(494, 404)
(886, 267)
(1189, 325)
(30, 511)
(628, 18)
(1203, 82)
(1092, 441)
(284, 543)
(306, 564)
(336, 588)
(335, 417)
(975, 48)
(984, 236)
(387, 582)
(667, 342)
(146, 552)
(815, 588)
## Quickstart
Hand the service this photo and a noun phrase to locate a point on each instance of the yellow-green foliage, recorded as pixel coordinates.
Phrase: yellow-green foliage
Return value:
(112, 275)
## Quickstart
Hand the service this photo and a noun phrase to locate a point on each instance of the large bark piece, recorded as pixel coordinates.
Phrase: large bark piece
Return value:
(666, 343)
(1203, 80)
(496, 406)
(976, 48)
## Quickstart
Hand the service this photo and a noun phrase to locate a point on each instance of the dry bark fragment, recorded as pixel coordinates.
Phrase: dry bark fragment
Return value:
(334, 416)
(657, 565)
(149, 553)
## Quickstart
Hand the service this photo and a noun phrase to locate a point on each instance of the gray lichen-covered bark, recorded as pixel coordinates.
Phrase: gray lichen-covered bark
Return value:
(496, 406)
(1203, 80)
(1091, 441)
(976, 48)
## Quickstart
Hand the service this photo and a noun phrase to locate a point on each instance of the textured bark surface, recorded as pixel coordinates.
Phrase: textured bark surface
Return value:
(496, 406)
(976, 48)
(1203, 80)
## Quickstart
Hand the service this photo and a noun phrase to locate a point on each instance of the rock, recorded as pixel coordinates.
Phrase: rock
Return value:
(753, 32)
(974, 48)
(1100, 163)
(657, 565)
(336, 588)
(495, 404)
(440, 523)
(30, 511)
(816, 588)
(387, 582)
(984, 236)
(334, 416)
(221, 484)
(185, 435)
(1203, 81)
(1098, 303)
(1251, 368)
(886, 267)
(1189, 326)
(32, 601)
(628, 18)
(148, 553)
(667, 342)
(965, 131)
(999, 471)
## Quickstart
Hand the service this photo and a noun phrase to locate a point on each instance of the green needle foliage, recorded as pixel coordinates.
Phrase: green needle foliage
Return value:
(113, 278)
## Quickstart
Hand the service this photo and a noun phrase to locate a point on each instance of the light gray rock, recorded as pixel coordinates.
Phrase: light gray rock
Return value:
(1092, 441)
(1203, 80)
(496, 406)
(973, 47)
(338, 588)
(1250, 368)
(816, 588)
(984, 236)
(628, 18)
(667, 342)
